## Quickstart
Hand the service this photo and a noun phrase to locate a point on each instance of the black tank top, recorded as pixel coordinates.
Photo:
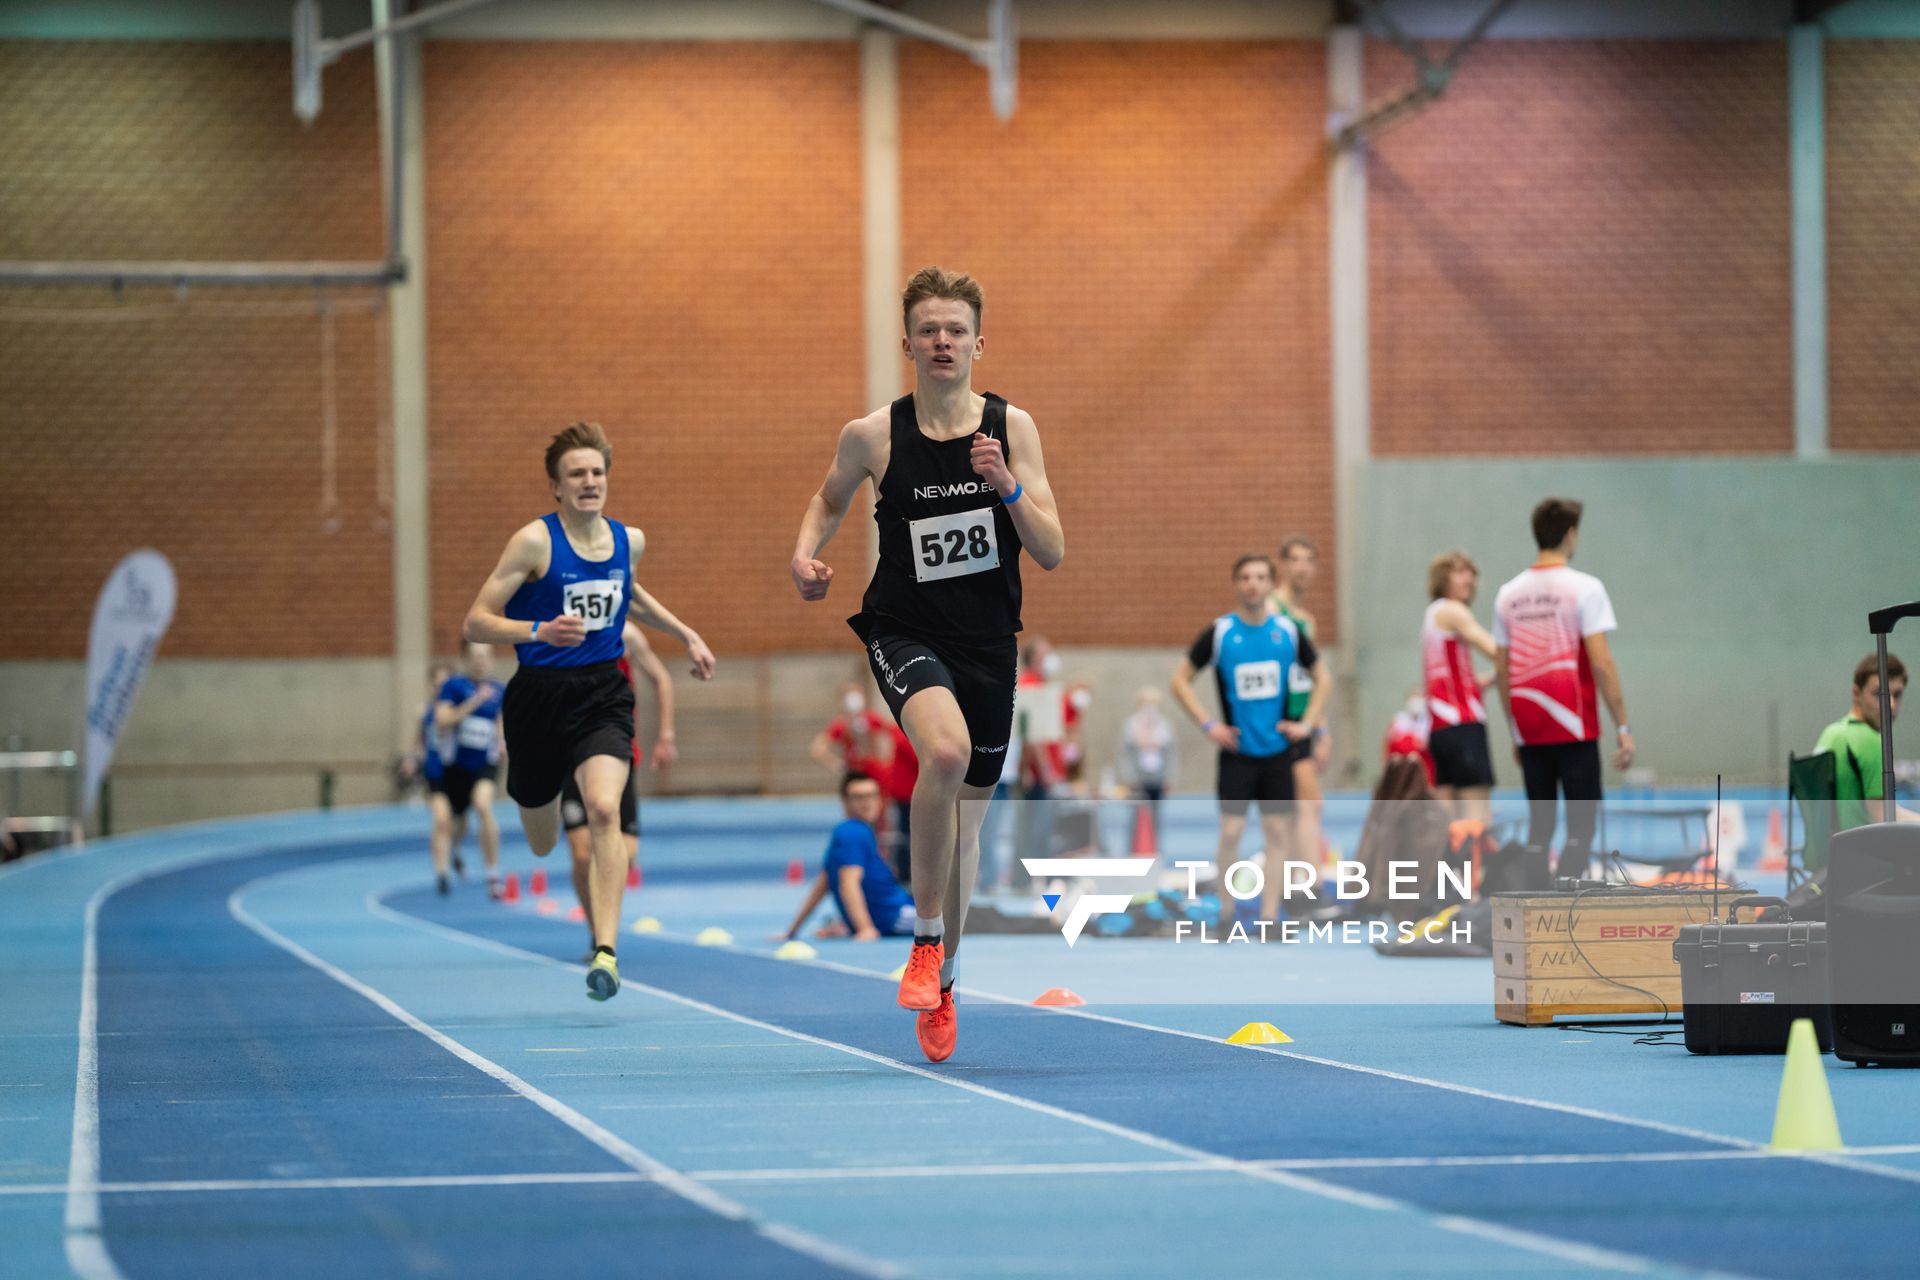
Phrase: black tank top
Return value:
(949, 563)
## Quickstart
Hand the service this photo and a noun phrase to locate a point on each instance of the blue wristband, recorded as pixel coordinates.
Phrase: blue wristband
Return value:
(1013, 497)
(534, 634)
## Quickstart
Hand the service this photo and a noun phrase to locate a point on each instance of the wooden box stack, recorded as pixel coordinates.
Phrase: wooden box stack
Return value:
(1601, 951)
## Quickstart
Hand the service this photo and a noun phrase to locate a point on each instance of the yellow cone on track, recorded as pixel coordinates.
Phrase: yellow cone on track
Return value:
(1804, 1119)
(713, 936)
(1259, 1033)
(646, 924)
(795, 950)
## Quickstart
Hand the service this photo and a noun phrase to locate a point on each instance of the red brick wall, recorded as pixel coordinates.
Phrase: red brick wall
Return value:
(1585, 248)
(1150, 230)
(195, 430)
(665, 239)
(1873, 244)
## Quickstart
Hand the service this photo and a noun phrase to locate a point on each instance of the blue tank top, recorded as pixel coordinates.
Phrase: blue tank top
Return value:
(476, 739)
(597, 591)
(429, 745)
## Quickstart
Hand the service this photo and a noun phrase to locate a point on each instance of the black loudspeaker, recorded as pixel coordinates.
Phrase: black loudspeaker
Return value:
(1873, 943)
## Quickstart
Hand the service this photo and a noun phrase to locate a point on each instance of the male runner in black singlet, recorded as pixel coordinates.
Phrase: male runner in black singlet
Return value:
(961, 491)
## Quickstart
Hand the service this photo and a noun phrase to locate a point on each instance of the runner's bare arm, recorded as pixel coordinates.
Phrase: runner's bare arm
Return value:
(1223, 735)
(853, 463)
(642, 661)
(1459, 619)
(1606, 678)
(649, 612)
(815, 892)
(524, 560)
(853, 904)
(1035, 514)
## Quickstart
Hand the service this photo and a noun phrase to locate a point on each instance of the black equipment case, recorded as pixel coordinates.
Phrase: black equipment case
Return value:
(1873, 911)
(1743, 985)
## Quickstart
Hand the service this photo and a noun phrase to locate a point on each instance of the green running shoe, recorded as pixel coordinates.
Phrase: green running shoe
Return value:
(603, 977)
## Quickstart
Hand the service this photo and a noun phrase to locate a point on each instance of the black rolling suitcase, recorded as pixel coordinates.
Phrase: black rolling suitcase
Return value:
(1742, 985)
(1873, 912)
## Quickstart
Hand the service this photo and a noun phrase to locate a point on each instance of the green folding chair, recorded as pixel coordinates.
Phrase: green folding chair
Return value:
(1814, 791)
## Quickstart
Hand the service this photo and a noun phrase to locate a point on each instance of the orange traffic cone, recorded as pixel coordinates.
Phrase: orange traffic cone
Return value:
(1773, 856)
(1143, 838)
(633, 876)
(796, 871)
(576, 913)
(511, 891)
(537, 884)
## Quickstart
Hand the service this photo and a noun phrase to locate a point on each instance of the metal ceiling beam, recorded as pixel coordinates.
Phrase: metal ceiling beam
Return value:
(999, 53)
(1432, 77)
(319, 275)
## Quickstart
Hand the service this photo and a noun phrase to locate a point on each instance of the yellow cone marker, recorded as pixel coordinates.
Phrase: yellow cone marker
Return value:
(1259, 1033)
(714, 936)
(899, 973)
(1804, 1119)
(646, 924)
(795, 950)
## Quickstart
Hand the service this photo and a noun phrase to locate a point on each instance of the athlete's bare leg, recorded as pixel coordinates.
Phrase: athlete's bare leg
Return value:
(541, 826)
(938, 732)
(1277, 828)
(602, 779)
(1232, 827)
(1445, 795)
(580, 847)
(489, 826)
(442, 832)
(969, 813)
(1474, 803)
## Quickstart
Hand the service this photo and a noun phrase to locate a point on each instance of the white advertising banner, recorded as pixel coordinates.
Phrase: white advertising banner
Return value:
(132, 614)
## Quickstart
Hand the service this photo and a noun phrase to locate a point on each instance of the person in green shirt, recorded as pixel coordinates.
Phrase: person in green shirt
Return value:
(1855, 743)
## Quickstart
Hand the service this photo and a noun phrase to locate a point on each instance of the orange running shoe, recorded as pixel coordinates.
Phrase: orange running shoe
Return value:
(937, 1029)
(920, 984)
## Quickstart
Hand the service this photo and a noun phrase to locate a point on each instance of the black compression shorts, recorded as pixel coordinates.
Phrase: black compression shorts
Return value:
(980, 678)
(573, 809)
(456, 784)
(1460, 756)
(556, 717)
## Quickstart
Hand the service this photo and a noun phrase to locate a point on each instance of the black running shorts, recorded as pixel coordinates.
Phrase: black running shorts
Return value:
(1460, 756)
(556, 717)
(573, 809)
(1265, 779)
(980, 678)
(456, 784)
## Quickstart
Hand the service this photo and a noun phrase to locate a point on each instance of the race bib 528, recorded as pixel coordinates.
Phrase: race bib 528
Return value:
(955, 545)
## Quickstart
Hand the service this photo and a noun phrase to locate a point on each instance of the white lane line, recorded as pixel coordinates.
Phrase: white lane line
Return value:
(799, 1241)
(1533, 1242)
(1835, 1159)
(893, 1172)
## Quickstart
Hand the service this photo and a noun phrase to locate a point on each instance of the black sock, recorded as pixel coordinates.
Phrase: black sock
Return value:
(598, 950)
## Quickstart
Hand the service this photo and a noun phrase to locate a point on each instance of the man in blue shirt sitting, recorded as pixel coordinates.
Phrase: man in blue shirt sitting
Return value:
(870, 899)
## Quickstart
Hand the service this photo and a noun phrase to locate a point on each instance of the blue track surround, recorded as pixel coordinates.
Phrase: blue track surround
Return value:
(309, 1064)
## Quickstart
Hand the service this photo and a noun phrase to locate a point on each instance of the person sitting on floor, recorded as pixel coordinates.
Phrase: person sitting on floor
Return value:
(871, 901)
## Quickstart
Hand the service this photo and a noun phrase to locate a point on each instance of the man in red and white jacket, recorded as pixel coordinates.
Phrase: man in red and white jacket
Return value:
(1550, 624)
